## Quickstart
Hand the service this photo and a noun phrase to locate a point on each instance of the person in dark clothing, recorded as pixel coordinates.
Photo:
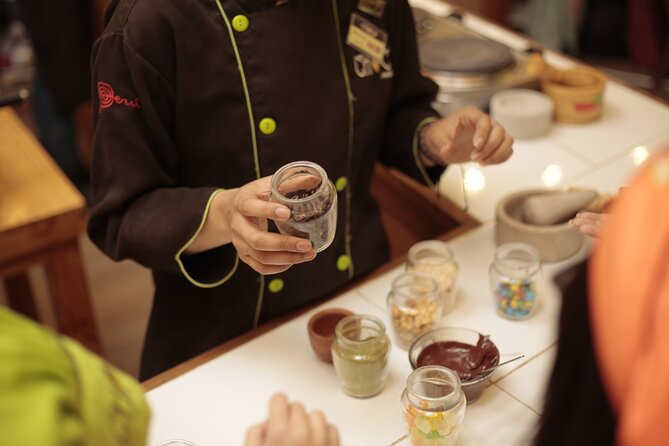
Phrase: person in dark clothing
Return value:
(200, 101)
(576, 410)
(608, 383)
(62, 35)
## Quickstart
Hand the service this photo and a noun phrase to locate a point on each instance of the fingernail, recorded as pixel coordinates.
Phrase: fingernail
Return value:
(304, 246)
(282, 213)
(309, 255)
(478, 142)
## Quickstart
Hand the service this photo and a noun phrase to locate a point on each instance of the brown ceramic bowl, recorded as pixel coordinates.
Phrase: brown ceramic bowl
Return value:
(321, 329)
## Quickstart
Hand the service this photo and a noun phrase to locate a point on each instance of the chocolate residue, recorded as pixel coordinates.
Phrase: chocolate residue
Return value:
(302, 193)
(468, 361)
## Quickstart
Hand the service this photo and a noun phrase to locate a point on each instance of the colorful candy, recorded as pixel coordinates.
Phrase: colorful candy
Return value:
(516, 299)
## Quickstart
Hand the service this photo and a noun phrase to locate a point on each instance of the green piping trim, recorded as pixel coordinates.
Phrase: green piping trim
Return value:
(261, 295)
(416, 150)
(254, 140)
(177, 257)
(351, 120)
(247, 96)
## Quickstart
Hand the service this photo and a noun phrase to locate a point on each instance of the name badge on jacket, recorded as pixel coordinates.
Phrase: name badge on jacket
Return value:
(367, 38)
(372, 7)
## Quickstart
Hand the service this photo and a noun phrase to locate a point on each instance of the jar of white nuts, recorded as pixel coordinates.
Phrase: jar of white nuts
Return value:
(435, 258)
(415, 306)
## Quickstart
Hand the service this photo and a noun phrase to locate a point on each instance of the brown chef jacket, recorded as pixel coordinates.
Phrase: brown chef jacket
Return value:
(196, 95)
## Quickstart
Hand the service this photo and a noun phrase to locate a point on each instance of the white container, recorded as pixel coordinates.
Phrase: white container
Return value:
(523, 113)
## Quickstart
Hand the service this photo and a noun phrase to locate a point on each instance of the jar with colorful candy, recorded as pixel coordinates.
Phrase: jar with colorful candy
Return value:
(514, 276)
(434, 406)
(435, 258)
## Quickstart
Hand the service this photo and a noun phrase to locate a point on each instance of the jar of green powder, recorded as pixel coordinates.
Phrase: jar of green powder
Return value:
(360, 355)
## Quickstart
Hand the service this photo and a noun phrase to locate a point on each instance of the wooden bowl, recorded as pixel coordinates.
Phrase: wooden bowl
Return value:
(577, 93)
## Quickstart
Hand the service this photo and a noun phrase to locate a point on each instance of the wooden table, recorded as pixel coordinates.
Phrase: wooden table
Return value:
(41, 216)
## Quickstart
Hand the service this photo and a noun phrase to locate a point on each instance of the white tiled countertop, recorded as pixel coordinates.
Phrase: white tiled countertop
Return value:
(215, 403)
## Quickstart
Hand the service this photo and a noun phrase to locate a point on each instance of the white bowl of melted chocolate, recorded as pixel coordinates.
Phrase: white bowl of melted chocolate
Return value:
(470, 354)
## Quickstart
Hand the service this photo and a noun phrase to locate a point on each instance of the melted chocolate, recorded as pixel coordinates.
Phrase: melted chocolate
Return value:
(468, 361)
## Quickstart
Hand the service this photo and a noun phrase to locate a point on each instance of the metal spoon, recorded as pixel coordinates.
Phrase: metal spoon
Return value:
(503, 363)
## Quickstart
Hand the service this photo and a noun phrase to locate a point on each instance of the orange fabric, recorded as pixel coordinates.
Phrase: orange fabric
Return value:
(629, 301)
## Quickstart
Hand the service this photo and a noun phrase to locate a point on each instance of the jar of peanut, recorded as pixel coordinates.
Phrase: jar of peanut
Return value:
(435, 258)
(415, 306)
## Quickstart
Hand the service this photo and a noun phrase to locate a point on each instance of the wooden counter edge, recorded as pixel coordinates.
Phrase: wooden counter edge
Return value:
(183, 368)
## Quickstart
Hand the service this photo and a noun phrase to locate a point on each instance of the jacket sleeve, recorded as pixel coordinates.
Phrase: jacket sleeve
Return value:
(54, 392)
(410, 106)
(140, 210)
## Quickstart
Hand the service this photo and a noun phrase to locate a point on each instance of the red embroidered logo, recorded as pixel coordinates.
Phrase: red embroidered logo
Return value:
(108, 98)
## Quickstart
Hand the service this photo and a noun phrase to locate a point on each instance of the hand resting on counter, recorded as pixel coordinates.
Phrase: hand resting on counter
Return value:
(288, 424)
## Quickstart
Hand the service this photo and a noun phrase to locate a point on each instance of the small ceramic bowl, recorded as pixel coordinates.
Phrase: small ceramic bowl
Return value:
(321, 328)
(472, 386)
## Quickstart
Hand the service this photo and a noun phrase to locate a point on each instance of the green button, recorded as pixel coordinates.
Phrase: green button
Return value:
(240, 23)
(343, 262)
(341, 183)
(275, 285)
(267, 126)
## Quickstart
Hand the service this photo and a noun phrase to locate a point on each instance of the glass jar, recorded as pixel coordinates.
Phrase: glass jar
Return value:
(304, 188)
(434, 406)
(415, 306)
(435, 258)
(360, 355)
(514, 275)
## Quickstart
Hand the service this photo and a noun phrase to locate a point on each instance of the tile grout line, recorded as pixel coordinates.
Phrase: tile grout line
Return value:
(595, 165)
(525, 363)
(574, 152)
(516, 398)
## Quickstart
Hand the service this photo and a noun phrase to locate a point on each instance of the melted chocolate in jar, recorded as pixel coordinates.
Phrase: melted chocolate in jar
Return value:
(468, 361)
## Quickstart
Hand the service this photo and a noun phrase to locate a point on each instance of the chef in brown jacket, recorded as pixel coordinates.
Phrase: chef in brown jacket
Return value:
(200, 101)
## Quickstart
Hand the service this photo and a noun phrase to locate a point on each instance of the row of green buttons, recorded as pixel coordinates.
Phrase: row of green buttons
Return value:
(276, 285)
(240, 23)
(267, 126)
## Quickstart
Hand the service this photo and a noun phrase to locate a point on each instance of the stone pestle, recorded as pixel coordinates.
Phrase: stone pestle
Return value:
(555, 207)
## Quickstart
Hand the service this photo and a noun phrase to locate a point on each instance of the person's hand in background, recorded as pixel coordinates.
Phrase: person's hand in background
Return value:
(589, 223)
(467, 135)
(288, 424)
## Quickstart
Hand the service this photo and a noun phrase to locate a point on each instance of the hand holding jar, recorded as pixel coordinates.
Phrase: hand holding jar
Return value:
(239, 216)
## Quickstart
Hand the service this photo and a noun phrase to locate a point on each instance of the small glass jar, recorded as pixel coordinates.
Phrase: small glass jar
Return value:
(415, 306)
(514, 276)
(435, 258)
(304, 188)
(360, 355)
(434, 406)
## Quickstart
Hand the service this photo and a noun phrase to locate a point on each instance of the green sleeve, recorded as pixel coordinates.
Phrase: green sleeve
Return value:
(54, 392)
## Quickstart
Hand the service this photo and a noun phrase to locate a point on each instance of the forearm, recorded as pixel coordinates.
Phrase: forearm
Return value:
(216, 229)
